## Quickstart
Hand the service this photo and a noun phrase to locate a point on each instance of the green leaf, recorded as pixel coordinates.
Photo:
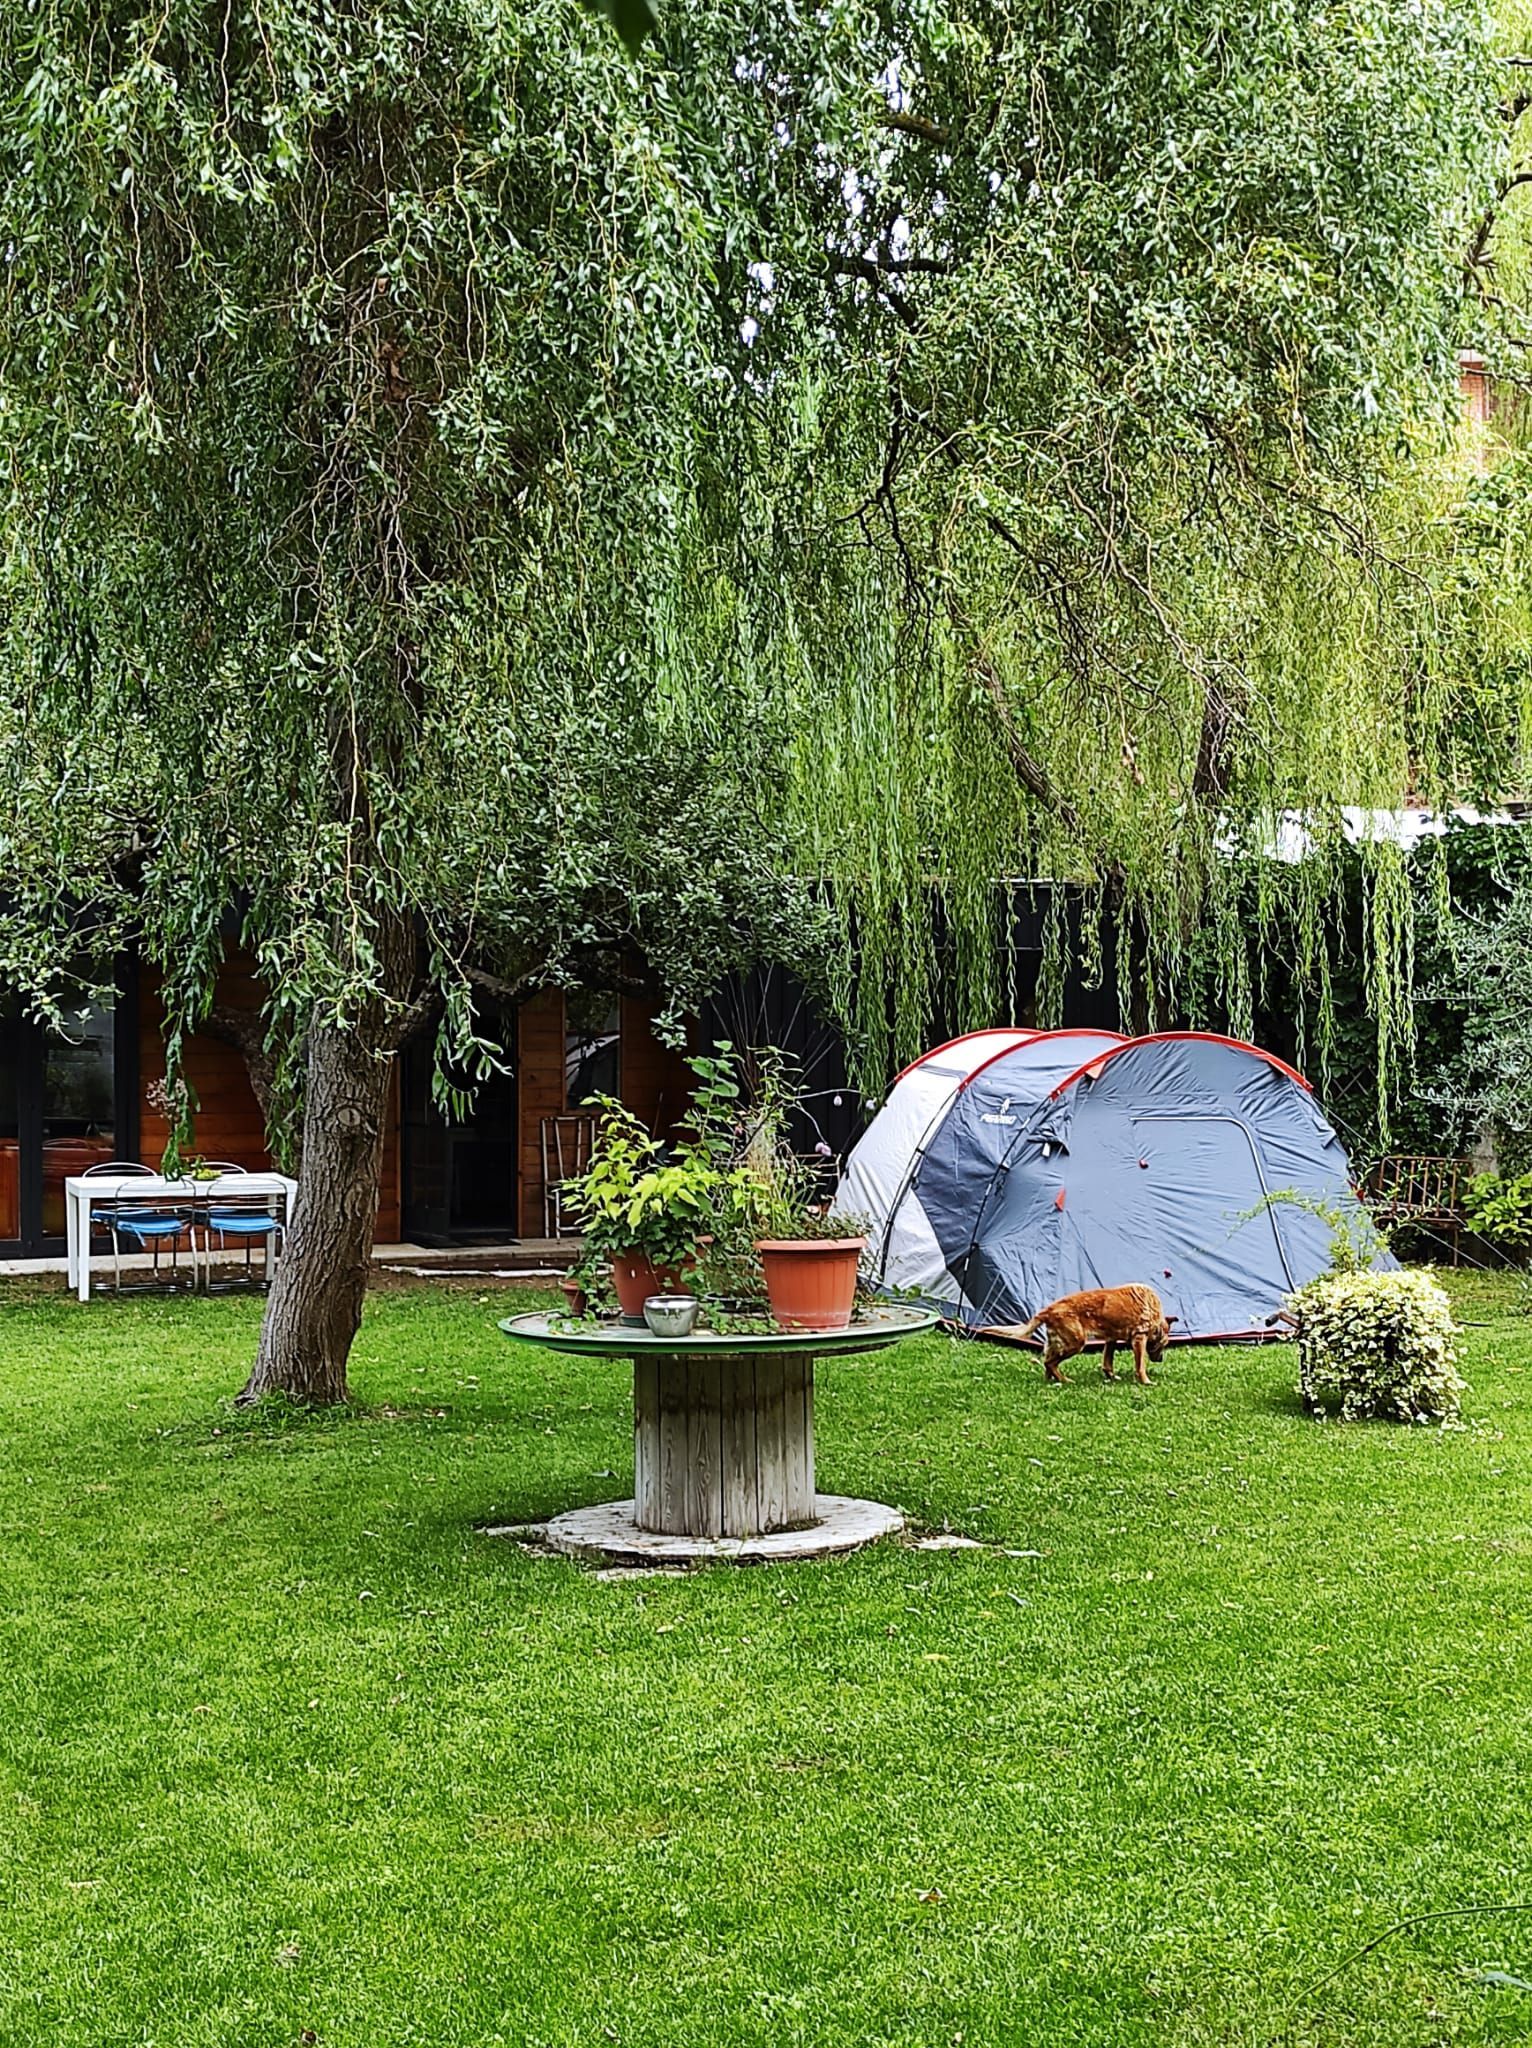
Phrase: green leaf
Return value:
(632, 19)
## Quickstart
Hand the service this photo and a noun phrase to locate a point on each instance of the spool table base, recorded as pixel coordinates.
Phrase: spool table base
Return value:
(611, 1534)
(723, 1445)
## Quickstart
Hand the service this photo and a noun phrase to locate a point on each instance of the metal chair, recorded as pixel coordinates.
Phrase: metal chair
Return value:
(566, 1147)
(247, 1219)
(1421, 1191)
(148, 1229)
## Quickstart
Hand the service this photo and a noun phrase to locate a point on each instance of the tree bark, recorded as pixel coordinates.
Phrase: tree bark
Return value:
(316, 1300)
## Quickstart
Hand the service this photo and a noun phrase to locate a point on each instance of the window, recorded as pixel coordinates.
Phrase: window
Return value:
(58, 1113)
(78, 1102)
(592, 1046)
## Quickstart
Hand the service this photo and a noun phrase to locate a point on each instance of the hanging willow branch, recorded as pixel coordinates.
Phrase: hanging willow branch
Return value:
(457, 483)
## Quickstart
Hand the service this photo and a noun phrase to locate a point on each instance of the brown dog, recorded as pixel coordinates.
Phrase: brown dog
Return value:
(1117, 1315)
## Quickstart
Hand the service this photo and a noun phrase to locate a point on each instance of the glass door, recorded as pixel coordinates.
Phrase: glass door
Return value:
(460, 1179)
(78, 1102)
(59, 1090)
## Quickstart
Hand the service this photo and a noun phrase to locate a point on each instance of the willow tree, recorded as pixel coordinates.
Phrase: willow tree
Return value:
(452, 472)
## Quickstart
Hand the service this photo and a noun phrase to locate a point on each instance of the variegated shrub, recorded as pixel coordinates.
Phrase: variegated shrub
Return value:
(1382, 1344)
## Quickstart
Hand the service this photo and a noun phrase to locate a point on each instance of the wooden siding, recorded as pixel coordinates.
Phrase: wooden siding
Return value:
(652, 1079)
(540, 1093)
(229, 1123)
(656, 1081)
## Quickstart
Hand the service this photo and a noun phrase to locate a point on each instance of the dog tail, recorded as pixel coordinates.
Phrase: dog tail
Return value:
(1017, 1331)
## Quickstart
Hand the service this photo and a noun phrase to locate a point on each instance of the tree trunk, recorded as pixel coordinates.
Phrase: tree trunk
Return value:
(321, 1280)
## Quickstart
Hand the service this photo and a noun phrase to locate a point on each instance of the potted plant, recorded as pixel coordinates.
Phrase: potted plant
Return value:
(809, 1256)
(811, 1266)
(641, 1208)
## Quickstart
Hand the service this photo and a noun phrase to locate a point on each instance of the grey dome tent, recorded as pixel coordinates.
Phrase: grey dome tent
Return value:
(1008, 1168)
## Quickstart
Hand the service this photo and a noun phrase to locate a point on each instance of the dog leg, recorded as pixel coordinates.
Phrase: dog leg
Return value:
(1063, 1344)
(1140, 1369)
(1108, 1352)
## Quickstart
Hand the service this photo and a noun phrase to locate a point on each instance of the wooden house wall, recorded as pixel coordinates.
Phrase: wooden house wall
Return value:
(539, 1094)
(229, 1124)
(654, 1081)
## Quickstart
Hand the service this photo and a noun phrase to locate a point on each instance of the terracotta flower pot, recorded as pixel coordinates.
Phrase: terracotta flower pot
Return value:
(811, 1281)
(635, 1279)
(576, 1299)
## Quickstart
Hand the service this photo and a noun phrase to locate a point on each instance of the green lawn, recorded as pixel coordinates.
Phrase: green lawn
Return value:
(290, 1752)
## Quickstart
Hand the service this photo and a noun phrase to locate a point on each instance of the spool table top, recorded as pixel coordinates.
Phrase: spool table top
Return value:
(870, 1330)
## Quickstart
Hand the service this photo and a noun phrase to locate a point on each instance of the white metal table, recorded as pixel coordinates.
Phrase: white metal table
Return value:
(85, 1192)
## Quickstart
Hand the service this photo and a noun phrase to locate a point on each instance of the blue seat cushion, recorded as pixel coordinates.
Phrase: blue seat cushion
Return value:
(151, 1226)
(242, 1225)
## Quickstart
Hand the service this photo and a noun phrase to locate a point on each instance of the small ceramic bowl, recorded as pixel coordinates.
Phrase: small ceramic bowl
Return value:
(671, 1315)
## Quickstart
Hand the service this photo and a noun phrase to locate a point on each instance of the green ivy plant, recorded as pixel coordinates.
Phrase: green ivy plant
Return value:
(1377, 1345)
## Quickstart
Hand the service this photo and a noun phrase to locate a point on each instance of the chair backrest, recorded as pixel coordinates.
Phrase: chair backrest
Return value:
(1416, 1184)
(566, 1146)
(223, 1166)
(119, 1169)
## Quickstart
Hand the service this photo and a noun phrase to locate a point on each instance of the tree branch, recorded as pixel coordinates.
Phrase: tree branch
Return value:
(246, 1030)
(875, 271)
(503, 991)
(915, 124)
(1491, 214)
(1030, 772)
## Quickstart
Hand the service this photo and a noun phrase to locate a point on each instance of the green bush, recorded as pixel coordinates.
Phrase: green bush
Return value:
(1500, 1208)
(1379, 1343)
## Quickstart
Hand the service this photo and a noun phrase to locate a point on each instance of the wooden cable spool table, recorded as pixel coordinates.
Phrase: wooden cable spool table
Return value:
(723, 1442)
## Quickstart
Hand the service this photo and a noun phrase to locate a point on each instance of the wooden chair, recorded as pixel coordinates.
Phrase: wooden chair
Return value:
(566, 1147)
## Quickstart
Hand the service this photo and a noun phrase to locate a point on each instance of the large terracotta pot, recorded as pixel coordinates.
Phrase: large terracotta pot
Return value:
(635, 1279)
(811, 1281)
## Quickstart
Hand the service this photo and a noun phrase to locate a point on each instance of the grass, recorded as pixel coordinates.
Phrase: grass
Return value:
(290, 1752)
